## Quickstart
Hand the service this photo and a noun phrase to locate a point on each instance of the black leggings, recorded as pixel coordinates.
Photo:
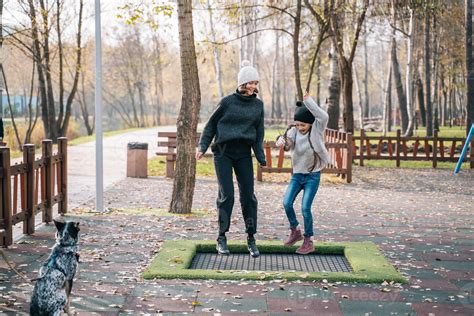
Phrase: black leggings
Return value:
(236, 157)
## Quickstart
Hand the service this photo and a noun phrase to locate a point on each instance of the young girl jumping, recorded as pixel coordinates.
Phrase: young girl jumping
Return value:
(309, 156)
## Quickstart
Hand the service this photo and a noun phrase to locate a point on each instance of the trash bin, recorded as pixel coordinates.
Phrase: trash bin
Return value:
(137, 160)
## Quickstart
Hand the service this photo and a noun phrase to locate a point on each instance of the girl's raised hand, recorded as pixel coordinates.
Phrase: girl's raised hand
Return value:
(306, 95)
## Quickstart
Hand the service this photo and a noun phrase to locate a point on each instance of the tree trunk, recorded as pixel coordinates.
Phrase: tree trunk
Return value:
(323, 28)
(402, 100)
(217, 60)
(366, 81)
(359, 97)
(61, 65)
(435, 97)
(286, 87)
(445, 107)
(31, 122)
(318, 76)
(141, 101)
(53, 133)
(409, 76)
(65, 123)
(469, 68)
(184, 180)
(38, 57)
(158, 80)
(345, 62)
(387, 106)
(278, 94)
(84, 109)
(248, 43)
(254, 49)
(427, 65)
(421, 101)
(242, 32)
(296, 56)
(346, 80)
(12, 114)
(450, 100)
(334, 94)
(274, 76)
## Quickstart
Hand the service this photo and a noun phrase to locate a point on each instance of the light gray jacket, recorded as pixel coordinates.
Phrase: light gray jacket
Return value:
(301, 152)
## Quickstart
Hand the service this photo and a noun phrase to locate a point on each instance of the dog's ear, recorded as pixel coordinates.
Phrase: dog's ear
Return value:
(59, 225)
(76, 225)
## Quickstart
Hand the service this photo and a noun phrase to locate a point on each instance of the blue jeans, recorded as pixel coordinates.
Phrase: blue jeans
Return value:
(309, 183)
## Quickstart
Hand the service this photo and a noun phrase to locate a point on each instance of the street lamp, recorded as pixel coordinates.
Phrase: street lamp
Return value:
(99, 170)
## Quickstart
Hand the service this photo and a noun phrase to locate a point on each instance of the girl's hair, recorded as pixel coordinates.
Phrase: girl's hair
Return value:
(243, 89)
(315, 154)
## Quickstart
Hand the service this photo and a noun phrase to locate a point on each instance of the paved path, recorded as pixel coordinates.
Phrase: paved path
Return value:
(81, 162)
(420, 219)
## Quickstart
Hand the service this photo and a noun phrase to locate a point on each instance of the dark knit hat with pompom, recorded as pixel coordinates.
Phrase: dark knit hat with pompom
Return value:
(302, 113)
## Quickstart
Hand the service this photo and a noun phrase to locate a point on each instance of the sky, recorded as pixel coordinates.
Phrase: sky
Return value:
(110, 22)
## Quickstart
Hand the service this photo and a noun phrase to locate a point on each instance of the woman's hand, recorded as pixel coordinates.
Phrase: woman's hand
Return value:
(306, 95)
(199, 155)
(280, 142)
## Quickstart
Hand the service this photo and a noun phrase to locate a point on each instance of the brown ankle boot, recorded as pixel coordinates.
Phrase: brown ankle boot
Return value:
(307, 247)
(295, 236)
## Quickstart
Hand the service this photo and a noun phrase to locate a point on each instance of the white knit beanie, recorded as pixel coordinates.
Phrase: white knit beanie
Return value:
(247, 73)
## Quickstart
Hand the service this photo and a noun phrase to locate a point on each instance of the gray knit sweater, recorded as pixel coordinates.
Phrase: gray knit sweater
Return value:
(237, 117)
(302, 156)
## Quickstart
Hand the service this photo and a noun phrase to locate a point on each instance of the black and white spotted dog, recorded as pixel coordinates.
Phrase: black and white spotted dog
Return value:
(51, 294)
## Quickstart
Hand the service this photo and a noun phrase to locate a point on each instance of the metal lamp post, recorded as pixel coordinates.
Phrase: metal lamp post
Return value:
(99, 197)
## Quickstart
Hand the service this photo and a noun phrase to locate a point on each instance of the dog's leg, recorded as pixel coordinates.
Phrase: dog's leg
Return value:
(68, 288)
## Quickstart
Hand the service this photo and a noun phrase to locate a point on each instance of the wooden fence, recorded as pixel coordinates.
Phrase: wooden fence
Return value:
(398, 148)
(340, 153)
(337, 143)
(21, 185)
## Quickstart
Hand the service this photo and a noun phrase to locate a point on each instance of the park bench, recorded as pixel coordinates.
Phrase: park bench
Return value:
(169, 143)
(339, 145)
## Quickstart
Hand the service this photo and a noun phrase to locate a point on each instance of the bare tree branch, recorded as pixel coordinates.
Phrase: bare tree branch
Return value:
(360, 21)
(245, 35)
(399, 30)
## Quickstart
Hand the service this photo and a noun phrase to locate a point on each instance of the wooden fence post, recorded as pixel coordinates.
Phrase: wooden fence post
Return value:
(47, 146)
(6, 198)
(349, 158)
(435, 148)
(361, 150)
(62, 150)
(29, 159)
(398, 149)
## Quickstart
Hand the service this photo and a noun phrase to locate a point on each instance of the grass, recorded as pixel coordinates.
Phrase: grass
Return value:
(90, 138)
(205, 168)
(367, 262)
(445, 131)
(411, 164)
(81, 140)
